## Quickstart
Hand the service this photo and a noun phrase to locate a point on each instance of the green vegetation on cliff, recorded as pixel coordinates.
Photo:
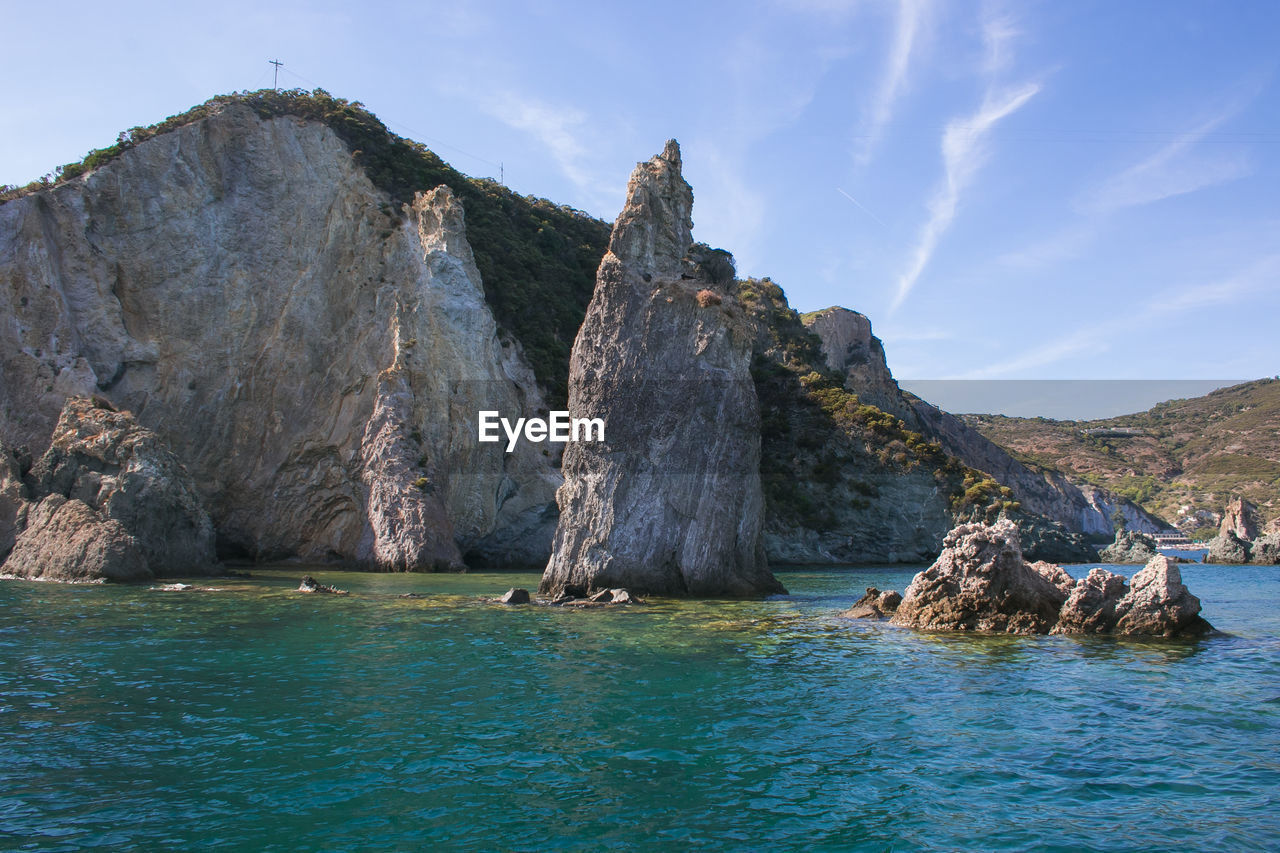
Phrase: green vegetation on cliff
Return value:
(1195, 453)
(819, 440)
(538, 259)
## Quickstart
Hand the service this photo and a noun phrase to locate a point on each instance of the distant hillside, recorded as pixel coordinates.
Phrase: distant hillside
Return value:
(1194, 453)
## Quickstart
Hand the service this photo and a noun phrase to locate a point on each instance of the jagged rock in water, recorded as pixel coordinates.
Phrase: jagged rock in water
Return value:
(1091, 606)
(1240, 519)
(1129, 547)
(107, 468)
(67, 540)
(308, 347)
(1228, 548)
(515, 595)
(1158, 604)
(874, 605)
(670, 502)
(310, 584)
(981, 582)
(1265, 550)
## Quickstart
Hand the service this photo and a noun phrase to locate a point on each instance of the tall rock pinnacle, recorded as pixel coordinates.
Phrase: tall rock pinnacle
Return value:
(670, 502)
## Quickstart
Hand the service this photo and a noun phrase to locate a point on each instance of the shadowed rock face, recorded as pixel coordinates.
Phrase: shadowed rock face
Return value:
(670, 503)
(313, 353)
(981, 583)
(110, 501)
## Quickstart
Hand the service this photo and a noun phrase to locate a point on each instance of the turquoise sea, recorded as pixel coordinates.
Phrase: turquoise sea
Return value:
(244, 716)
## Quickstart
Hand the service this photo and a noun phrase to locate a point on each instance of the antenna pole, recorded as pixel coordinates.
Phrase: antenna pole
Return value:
(275, 84)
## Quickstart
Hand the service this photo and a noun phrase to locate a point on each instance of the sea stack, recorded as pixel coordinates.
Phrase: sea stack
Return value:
(670, 502)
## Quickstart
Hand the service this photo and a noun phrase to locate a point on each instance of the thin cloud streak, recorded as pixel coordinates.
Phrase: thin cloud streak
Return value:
(1170, 171)
(893, 81)
(963, 154)
(1257, 277)
(860, 206)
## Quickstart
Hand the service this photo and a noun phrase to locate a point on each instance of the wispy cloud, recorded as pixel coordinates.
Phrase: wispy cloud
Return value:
(1258, 277)
(893, 79)
(963, 154)
(556, 127)
(1179, 167)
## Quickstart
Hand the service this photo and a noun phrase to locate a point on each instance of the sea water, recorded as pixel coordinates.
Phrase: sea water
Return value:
(242, 715)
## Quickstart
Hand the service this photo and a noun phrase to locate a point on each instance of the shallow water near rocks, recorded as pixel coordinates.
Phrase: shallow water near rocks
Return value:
(241, 715)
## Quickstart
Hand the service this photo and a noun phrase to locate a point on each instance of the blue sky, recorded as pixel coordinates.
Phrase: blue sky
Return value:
(1023, 190)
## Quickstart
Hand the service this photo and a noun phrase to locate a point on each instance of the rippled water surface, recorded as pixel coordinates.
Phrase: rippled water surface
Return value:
(245, 716)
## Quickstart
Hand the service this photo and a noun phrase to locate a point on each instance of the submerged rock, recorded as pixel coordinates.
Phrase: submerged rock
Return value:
(1129, 547)
(874, 605)
(981, 583)
(670, 502)
(310, 584)
(515, 595)
(119, 483)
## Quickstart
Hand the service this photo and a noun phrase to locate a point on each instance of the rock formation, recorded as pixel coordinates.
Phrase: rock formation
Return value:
(13, 494)
(1240, 519)
(981, 583)
(670, 502)
(851, 349)
(1129, 547)
(874, 605)
(1228, 548)
(1265, 550)
(314, 353)
(109, 501)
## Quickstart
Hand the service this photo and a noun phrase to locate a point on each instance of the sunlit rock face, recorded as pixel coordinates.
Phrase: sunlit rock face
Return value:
(670, 502)
(313, 353)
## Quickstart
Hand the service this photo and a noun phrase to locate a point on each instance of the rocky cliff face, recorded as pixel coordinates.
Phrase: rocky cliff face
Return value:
(108, 501)
(670, 502)
(313, 353)
(851, 349)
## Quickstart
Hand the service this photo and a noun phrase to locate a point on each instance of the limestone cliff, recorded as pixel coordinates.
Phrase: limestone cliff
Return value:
(313, 352)
(670, 502)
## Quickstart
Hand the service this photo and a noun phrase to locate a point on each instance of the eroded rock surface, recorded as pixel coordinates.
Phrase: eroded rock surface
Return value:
(1265, 550)
(981, 583)
(670, 503)
(314, 353)
(1129, 547)
(128, 492)
(1228, 548)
